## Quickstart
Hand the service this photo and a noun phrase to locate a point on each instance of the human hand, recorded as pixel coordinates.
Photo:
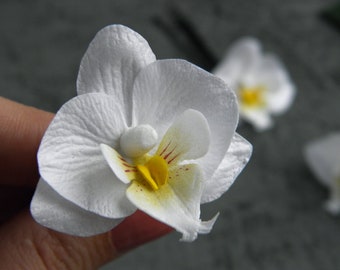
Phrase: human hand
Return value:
(24, 243)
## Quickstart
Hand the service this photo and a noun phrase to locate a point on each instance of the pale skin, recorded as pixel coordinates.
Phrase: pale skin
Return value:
(24, 243)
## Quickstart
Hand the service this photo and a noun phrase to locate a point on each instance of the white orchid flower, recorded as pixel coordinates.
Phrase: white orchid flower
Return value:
(323, 158)
(261, 82)
(158, 136)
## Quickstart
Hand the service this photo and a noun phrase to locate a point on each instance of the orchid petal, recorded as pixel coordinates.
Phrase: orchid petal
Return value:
(187, 138)
(112, 61)
(124, 171)
(279, 101)
(323, 158)
(260, 118)
(70, 159)
(242, 57)
(236, 158)
(271, 71)
(332, 205)
(193, 88)
(280, 89)
(176, 203)
(52, 211)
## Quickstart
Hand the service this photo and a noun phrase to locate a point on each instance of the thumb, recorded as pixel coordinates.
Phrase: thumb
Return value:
(27, 245)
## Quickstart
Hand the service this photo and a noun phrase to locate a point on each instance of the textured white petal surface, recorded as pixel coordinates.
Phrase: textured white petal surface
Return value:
(111, 63)
(236, 158)
(70, 159)
(243, 55)
(51, 210)
(323, 157)
(165, 89)
(116, 163)
(187, 138)
(177, 203)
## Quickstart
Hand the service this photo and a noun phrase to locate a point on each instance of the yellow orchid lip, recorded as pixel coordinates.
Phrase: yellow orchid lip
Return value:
(151, 171)
(155, 172)
(252, 96)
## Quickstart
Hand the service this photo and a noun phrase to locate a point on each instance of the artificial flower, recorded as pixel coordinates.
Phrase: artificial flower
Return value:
(261, 82)
(154, 135)
(323, 158)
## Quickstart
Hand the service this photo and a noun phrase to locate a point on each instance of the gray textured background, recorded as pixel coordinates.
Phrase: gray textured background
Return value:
(272, 217)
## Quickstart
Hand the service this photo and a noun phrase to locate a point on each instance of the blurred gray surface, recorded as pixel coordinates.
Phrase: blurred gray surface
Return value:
(272, 217)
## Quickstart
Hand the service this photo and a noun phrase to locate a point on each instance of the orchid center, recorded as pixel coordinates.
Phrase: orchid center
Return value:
(252, 96)
(154, 172)
(135, 163)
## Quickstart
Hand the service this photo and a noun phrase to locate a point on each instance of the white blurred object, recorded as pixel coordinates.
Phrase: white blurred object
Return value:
(260, 81)
(323, 158)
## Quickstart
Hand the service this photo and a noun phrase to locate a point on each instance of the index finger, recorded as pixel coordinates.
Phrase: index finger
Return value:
(21, 130)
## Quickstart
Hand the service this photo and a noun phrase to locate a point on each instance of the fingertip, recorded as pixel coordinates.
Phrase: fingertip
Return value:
(25, 242)
(136, 230)
(22, 128)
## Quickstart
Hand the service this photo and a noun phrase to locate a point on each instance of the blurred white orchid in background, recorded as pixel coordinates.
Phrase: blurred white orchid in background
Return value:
(261, 82)
(323, 158)
(158, 136)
